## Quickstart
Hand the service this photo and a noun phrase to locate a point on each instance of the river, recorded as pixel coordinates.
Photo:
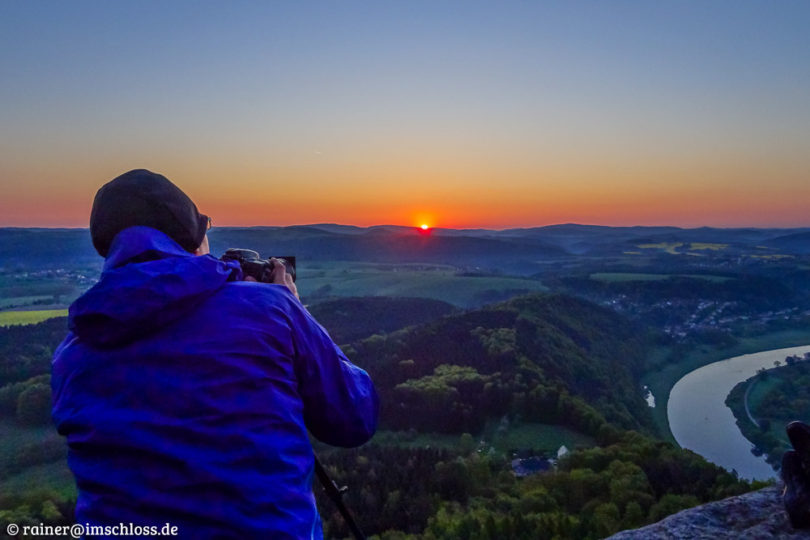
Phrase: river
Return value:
(701, 422)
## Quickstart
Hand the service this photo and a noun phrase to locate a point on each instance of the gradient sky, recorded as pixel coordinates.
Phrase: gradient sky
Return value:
(458, 114)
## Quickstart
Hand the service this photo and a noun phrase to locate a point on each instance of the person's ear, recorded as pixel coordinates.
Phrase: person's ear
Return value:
(203, 249)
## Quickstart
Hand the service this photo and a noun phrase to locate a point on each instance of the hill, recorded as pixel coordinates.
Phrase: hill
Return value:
(798, 242)
(549, 367)
(547, 358)
(352, 319)
(514, 250)
(387, 245)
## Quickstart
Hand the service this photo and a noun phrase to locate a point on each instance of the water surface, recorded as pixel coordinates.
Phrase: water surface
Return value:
(701, 422)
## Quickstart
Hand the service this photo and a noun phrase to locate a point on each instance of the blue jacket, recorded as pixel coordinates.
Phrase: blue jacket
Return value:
(186, 394)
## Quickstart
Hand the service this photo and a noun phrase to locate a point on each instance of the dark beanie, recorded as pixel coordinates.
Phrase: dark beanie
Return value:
(141, 197)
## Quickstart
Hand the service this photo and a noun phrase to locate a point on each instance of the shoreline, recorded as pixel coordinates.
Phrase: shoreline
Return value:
(700, 421)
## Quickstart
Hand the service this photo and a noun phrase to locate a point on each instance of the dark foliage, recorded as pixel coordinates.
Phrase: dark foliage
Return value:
(26, 351)
(631, 481)
(351, 319)
(542, 358)
(546, 358)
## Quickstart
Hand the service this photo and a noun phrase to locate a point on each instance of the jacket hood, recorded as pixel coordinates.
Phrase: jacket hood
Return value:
(148, 282)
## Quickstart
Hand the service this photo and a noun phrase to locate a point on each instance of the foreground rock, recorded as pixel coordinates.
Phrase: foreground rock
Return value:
(754, 515)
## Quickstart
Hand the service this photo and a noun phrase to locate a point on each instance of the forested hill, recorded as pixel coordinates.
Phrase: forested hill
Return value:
(542, 358)
(525, 377)
(351, 319)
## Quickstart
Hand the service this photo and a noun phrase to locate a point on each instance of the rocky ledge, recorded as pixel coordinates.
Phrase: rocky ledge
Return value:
(754, 515)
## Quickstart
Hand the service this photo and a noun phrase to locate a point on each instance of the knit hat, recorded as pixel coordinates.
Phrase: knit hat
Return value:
(141, 197)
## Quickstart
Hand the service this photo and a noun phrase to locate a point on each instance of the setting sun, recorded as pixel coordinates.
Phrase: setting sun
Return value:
(424, 227)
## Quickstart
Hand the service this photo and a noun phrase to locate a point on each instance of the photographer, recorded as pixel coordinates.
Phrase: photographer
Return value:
(186, 392)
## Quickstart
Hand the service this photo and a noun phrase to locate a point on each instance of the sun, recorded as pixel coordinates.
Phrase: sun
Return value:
(423, 222)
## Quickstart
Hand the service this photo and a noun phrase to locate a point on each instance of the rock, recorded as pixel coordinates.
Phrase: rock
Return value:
(754, 515)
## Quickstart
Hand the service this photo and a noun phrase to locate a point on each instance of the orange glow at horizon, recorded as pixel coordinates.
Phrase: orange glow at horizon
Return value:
(497, 196)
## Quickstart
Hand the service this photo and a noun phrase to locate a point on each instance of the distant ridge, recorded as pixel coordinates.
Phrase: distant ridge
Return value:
(798, 242)
(517, 250)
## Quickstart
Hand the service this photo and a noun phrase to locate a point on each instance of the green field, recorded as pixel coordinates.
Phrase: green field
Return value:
(706, 246)
(10, 318)
(669, 247)
(419, 281)
(406, 439)
(544, 437)
(758, 390)
(615, 277)
(21, 287)
(20, 301)
(661, 380)
(515, 436)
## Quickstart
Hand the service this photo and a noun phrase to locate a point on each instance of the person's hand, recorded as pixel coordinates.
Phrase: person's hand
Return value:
(281, 277)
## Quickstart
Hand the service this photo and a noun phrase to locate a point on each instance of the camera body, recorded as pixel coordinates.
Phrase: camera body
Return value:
(256, 267)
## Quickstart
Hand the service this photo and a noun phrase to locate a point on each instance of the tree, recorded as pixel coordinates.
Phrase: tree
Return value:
(671, 503)
(606, 519)
(633, 515)
(34, 405)
(466, 444)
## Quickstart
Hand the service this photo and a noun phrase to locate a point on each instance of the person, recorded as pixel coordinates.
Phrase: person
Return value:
(796, 475)
(185, 392)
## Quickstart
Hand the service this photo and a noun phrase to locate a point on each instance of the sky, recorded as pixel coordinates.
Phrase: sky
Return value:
(455, 114)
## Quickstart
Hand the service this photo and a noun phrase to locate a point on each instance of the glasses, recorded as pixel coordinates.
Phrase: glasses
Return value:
(210, 223)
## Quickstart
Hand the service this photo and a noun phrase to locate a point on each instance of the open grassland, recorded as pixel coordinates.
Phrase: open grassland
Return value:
(774, 257)
(758, 390)
(703, 246)
(752, 392)
(669, 247)
(405, 439)
(21, 301)
(664, 371)
(615, 277)
(419, 281)
(10, 318)
(546, 438)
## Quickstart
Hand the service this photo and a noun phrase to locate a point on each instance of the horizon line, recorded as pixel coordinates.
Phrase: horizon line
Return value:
(459, 229)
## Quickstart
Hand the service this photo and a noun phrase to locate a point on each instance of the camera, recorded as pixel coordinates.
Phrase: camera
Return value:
(256, 267)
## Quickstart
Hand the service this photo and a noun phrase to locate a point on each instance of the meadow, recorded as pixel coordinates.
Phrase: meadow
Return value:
(501, 437)
(10, 318)
(617, 277)
(438, 282)
(545, 438)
